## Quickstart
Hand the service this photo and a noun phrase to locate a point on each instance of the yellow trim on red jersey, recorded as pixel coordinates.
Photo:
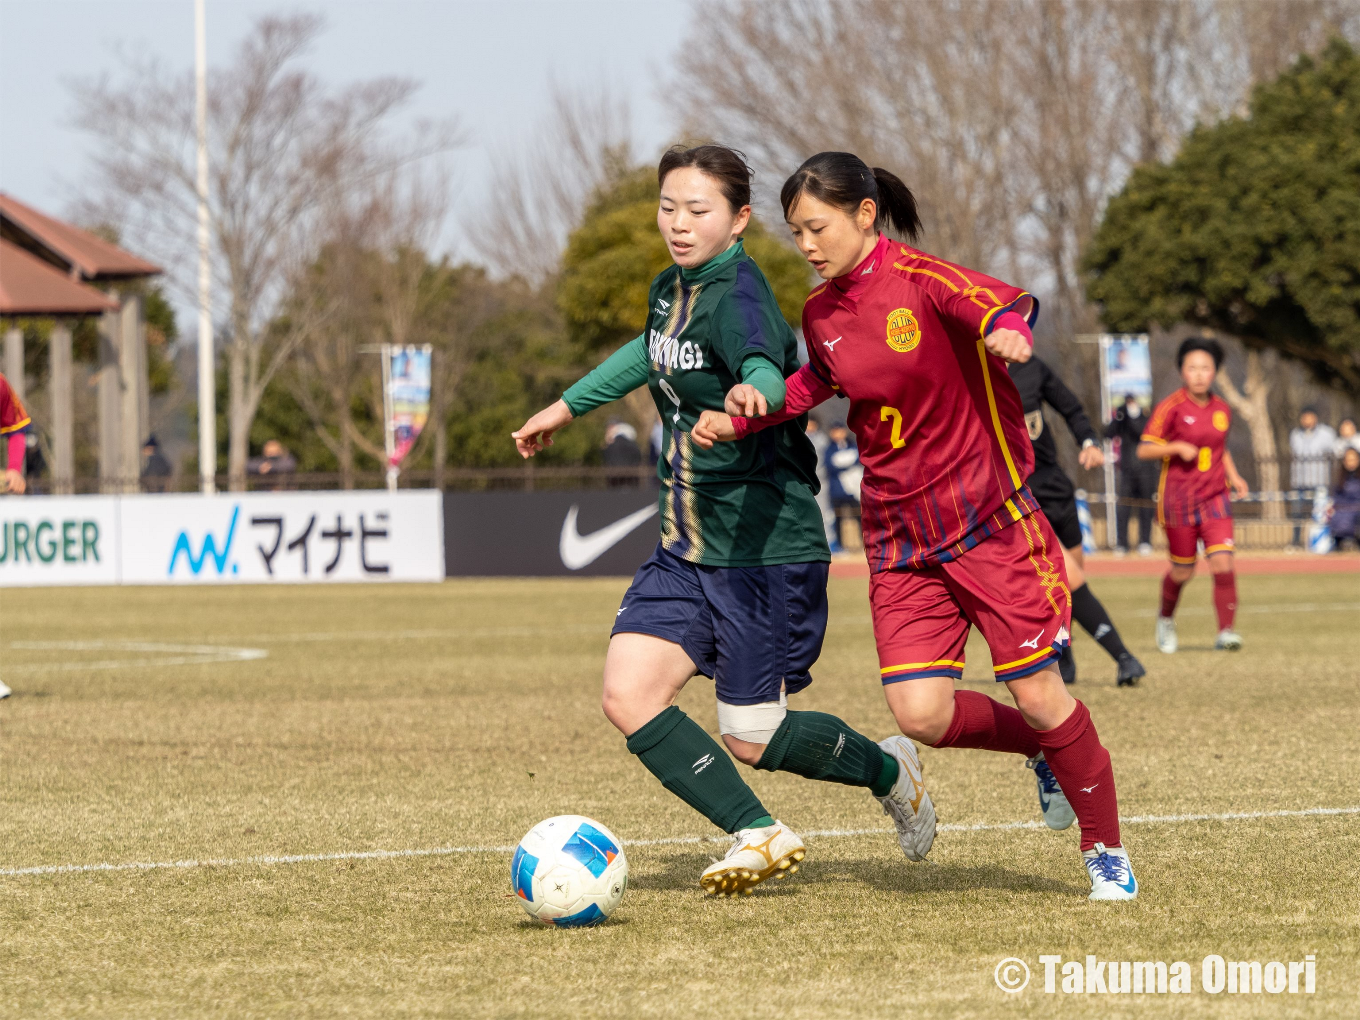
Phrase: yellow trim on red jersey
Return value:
(926, 272)
(996, 425)
(5, 430)
(1161, 492)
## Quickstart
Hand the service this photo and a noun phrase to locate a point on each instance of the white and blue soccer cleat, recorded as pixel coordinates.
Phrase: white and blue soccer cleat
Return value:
(1166, 635)
(1111, 874)
(5, 692)
(1057, 811)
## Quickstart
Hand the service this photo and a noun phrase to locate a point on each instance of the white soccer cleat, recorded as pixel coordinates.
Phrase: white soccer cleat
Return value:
(907, 803)
(5, 692)
(1111, 874)
(1166, 635)
(1053, 803)
(1228, 641)
(756, 854)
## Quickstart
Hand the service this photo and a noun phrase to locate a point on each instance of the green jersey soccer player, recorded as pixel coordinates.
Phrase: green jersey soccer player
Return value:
(736, 589)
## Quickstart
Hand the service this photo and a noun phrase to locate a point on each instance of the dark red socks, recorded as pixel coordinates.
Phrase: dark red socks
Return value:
(1225, 598)
(1082, 767)
(1171, 594)
(982, 722)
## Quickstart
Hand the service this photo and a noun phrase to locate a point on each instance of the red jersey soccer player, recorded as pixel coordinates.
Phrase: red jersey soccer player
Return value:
(953, 537)
(1188, 433)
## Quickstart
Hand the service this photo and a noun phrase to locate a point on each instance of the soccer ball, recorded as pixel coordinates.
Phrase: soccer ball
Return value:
(569, 872)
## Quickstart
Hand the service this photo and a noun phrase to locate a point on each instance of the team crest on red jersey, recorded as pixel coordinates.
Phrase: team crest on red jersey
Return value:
(904, 333)
(1221, 421)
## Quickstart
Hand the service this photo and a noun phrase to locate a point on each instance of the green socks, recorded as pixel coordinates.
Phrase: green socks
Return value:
(692, 766)
(820, 746)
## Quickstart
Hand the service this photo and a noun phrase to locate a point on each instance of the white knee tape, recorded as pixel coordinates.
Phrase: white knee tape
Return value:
(753, 723)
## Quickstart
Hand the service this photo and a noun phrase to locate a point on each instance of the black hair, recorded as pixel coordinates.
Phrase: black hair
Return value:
(1309, 409)
(844, 180)
(725, 165)
(1210, 347)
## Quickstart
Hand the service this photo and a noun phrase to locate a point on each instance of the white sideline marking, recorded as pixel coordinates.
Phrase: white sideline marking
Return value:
(444, 851)
(168, 655)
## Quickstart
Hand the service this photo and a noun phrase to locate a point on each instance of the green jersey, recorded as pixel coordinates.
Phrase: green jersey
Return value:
(747, 503)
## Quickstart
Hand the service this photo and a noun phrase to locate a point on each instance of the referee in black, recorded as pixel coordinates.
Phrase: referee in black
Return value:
(1038, 385)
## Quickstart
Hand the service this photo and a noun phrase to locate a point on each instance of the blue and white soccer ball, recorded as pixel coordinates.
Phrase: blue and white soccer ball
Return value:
(569, 872)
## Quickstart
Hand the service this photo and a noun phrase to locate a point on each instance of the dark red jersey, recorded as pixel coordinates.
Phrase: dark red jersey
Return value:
(1188, 486)
(938, 421)
(13, 417)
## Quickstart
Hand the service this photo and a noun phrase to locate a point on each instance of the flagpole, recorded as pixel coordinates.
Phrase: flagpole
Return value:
(207, 383)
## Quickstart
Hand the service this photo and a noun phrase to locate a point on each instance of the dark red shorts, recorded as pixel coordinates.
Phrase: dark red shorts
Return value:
(1215, 532)
(1012, 586)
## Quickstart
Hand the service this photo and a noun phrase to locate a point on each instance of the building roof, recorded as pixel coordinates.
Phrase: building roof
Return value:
(30, 286)
(92, 257)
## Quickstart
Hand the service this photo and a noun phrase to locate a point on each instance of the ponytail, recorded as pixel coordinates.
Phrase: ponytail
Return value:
(896, 205)
(844, 180)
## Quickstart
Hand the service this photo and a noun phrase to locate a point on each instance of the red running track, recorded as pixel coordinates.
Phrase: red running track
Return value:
(1155, 566)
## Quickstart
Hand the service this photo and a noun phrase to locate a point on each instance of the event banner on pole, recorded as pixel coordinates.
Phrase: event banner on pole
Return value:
(1125, 368)
(408, 397)
(230, 538)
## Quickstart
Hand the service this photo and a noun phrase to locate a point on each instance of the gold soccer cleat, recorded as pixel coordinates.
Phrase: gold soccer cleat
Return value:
(756, 854)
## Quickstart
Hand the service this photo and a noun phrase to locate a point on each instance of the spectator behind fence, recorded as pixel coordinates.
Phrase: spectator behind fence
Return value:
(1137, 478)
(1345, 512)
(621, 450)
(1311, 446)
(275, 466)
(14, 426)
(1346, 438)
(845, 474)
(156, 470)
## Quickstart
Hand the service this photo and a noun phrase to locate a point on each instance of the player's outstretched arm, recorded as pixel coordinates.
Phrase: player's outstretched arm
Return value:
(536, 433)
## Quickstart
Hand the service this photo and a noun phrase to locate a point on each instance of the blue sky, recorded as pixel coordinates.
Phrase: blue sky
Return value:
(490, 63)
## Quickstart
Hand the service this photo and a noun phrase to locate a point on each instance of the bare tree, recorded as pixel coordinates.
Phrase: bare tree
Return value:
(581, 145)
(1251, 403)
(281, 145)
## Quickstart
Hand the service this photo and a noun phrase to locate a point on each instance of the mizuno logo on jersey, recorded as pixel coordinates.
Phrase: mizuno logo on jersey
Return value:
(830, 345)
(669, 352)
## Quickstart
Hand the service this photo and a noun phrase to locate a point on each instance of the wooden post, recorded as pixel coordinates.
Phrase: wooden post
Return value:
(110, 390)
(63, 416)
(132, 370)
(441, 448)
(14, 361)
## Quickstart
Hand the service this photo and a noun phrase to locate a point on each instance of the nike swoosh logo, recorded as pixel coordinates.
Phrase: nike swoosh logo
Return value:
(579, 550)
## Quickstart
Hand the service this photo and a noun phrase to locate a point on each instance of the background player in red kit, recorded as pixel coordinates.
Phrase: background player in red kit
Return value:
(1188, 433)
(952, 535)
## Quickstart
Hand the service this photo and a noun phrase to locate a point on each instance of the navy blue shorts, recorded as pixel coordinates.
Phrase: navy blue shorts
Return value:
(752, 629)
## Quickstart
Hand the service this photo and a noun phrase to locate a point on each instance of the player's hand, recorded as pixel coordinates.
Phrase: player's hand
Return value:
(713, 427)
(1239, 487)
(14, 482)
(745, 400)
(1184, 450)
(1009, 345)
(536, 433)
(1091, 457)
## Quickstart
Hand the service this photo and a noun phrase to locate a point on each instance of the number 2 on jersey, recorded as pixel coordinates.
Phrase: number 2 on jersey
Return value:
(893, 414)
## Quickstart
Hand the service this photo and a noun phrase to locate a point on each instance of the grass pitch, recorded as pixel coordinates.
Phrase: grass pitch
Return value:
(457, 715)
